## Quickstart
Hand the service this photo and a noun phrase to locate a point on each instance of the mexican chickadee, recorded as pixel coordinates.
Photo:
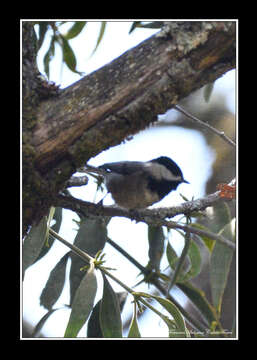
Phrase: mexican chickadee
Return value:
(136, 184)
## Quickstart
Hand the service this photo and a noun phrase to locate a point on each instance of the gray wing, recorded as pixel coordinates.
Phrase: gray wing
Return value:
(124, 167)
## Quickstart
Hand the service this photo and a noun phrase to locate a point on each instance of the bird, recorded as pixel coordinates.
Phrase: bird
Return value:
(138, 184)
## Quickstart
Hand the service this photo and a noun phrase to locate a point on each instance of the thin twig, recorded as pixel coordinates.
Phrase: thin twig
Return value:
(202, 123)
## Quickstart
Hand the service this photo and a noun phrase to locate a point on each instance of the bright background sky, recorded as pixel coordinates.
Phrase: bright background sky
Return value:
(187, 147)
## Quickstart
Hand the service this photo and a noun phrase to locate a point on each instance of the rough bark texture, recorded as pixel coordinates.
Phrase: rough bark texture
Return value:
(62, 132)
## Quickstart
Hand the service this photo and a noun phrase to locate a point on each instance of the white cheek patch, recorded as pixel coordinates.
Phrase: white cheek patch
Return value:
(161, 172)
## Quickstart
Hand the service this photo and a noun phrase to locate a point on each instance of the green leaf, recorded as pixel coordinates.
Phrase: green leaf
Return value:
(134, 25)
(49, 55)
(56, 227)
(220, 262)
(75, 30)
(43, 27)
(94, 328)
(42, 322)
(54, 284)
(195, 261)
(156, 245)
(198, 298)
(148, 25)
(110, 318)
(207, 91)
(181, 330)
(171, 255)
(100, 36)
(82, 304)
(133, 328)
(33, 244)
(91, 237)
(68, 55)
(208, 242)
(181, 262)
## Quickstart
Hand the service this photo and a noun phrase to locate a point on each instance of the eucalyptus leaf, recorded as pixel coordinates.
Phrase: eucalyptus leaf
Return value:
(48, 56)
(42, 322)
(75, 30)
(208, 242)
(68, 55)
(94, 328)
(198, 298)
(220, 262)
(195, 262)
(100, 36)
(110, 317)
(33, 244)
(207, 91)
(180, 330)
(43, 27)
(56, 227)
(171, 255)
(156, 245)
(82, 304)
(133, 328)
(91, 237)
(54, 284)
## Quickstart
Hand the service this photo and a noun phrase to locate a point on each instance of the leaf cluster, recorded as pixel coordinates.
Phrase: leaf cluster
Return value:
(58, 38)
(103, 318)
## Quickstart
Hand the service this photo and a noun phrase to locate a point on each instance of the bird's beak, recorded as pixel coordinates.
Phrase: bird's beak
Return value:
(185, 181)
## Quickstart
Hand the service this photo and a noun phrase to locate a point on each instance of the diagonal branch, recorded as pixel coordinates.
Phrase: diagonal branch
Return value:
(126, 95)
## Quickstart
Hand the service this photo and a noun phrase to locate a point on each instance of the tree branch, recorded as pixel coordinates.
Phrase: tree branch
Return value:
(155, 217)
(126, 95)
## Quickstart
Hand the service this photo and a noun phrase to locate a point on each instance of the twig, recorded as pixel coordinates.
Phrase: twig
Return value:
(77, 181)
(200, 232)
(202, 123)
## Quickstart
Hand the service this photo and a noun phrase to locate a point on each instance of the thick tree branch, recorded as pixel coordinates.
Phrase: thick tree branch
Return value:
(126, 95)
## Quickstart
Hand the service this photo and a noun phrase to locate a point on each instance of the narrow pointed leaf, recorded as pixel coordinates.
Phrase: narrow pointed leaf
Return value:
(94, 328)
(100, 36)
(68, 56)
(110, 317)
(91, 237)
(54, 284)
(42, 322)
(156, 245)
(33, 244)
(171, 255)
(220, 262)
(133, 329)
(208, 242)
(199, 300)
(82, 304)
(56, 227)
(181, 330)
(76, 28)
(195, 262)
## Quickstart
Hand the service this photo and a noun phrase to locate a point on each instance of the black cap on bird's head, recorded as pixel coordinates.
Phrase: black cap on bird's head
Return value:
(170, 165)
